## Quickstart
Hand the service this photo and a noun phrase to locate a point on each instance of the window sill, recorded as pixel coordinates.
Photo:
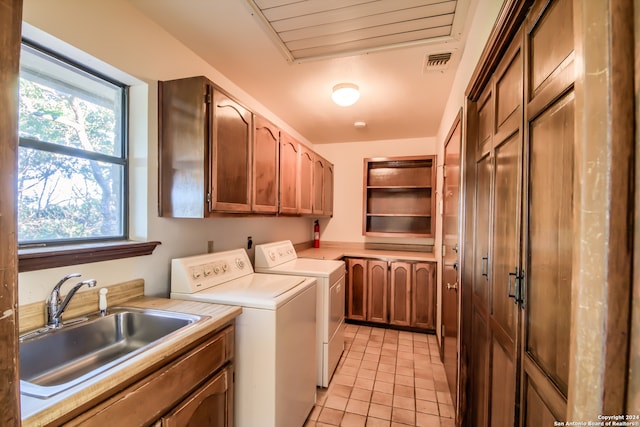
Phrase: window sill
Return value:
(42, 258)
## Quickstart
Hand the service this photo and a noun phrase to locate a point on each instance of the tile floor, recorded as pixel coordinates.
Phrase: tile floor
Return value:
(385, 378)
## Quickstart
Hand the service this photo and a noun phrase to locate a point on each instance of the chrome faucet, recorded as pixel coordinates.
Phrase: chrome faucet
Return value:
(55, 307)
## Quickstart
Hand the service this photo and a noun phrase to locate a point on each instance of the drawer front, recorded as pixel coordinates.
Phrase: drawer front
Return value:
(147, 400)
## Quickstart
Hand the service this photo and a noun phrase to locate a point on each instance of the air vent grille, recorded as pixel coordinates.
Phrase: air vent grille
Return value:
(436, 61)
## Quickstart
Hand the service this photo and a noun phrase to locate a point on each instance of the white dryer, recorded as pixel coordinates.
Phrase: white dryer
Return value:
(275, 356)
(281, 258)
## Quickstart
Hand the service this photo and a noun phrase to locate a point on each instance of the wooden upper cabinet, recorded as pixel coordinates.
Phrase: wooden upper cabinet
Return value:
(205, 141)
(231, 155)
(306, 180)
(183, 148)
(322, 187)
(328, 189)
(289, 161)
(319, 166)
(266, 155)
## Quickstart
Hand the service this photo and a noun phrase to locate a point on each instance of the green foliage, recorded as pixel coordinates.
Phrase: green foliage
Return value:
(63, 197)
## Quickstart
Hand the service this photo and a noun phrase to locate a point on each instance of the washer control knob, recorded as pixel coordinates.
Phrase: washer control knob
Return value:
(216, 269)
(272, 255)
(240, 263)
(225, 267)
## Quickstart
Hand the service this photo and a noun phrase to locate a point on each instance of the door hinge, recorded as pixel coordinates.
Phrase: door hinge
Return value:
(207, 98)
(444, 171)
(208, 197)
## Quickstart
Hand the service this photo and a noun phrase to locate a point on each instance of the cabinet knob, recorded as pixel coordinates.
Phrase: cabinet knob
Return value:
(453, 286)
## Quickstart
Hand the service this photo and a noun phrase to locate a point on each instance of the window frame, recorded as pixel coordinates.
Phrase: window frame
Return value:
(62, 253)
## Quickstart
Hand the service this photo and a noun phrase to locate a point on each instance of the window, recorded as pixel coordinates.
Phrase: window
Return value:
(72, 167)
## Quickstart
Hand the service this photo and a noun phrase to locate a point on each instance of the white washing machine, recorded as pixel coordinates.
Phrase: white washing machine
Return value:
(281, 258)
(275, 359)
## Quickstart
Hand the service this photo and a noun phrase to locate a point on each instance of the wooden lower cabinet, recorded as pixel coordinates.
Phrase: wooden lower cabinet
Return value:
(195, 389)
(395, 293)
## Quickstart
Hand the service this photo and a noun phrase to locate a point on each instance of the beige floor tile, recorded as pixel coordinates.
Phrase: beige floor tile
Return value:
(380, 411)
(377, 422)
(361, 394)
(403, 390)
(382, 398)
(387, 377)
(370, 364)
(383, 387)
(403, 416)
(353, 420)
(330, 416)
(336, 402)
(403, 379)
(366, 373)
(359, 407)
(427, 420)
(446, 411)
(364, 383)
(404, 402)
(427, 407)
(371, 357)
(387, 368)
(339, 390)
(425, 394)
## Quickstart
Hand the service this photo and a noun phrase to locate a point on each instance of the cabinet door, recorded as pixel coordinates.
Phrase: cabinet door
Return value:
(183, 148)
(328, 189)
(306, 180)
(208, 406)
(289, 155)
(231, 155)
(401, 293)
(319, 173)
(266, 154)
(423, 306)
(356, 289)
(378, 284)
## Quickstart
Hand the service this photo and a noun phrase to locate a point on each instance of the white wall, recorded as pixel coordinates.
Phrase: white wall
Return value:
(115, 33)
(348, 159)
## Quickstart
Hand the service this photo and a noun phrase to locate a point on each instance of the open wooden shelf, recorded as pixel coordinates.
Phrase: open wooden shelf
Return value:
(398, 196)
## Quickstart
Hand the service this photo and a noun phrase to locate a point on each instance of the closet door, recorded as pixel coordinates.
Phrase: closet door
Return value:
(548, 239)
(505, 266)
(480, 284)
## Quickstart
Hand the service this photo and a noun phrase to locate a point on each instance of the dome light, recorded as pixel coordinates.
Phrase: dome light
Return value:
(345, 94)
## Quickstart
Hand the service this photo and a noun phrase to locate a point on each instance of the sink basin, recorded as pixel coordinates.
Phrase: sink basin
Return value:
(58, 359)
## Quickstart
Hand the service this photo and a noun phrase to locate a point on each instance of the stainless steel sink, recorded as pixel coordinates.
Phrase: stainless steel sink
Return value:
(52, 361)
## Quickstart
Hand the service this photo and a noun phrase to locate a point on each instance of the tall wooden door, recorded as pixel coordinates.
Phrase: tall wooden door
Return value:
(549, 234)
(450, 246)
(505, 265)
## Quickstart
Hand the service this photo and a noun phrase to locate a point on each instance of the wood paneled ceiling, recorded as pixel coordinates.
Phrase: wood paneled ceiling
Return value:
(315, 29)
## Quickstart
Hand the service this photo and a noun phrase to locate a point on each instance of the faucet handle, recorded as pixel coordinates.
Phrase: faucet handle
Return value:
(64, 279)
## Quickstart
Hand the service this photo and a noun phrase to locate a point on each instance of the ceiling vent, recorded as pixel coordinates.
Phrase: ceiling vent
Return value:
(436, 62)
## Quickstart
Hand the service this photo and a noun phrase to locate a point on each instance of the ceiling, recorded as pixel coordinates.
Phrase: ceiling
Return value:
(288, 54)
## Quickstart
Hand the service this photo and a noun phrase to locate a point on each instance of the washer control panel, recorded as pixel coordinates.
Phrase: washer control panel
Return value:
(276, 253)
(193, 274)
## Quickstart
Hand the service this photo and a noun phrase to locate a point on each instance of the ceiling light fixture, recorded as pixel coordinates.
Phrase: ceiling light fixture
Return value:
(345, 94)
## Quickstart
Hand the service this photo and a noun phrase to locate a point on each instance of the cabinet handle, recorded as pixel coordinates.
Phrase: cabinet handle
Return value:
(516, 292)
(484, 266)
(453, 286)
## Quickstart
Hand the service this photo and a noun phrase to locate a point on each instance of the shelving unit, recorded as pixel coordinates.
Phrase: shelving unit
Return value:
(398, 196)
